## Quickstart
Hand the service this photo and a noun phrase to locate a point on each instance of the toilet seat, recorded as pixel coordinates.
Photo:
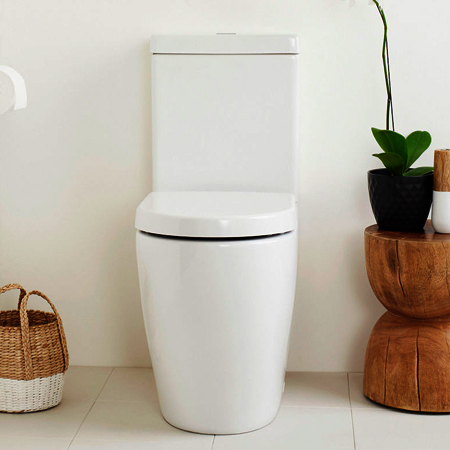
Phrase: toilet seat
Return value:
(217, 214)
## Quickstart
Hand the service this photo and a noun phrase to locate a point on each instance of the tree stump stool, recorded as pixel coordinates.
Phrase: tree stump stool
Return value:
(407, 364)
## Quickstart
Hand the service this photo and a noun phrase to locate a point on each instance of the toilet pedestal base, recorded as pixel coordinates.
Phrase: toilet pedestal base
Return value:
(217, 315)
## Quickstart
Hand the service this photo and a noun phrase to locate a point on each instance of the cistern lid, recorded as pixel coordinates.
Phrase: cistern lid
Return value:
(217, 214)
(225, 44)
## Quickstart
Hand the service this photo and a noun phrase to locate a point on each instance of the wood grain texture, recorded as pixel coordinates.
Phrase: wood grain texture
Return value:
(442, 170)
(410, 272)
(407, 364)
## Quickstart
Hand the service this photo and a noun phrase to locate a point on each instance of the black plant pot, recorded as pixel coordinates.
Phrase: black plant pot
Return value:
(400, 203)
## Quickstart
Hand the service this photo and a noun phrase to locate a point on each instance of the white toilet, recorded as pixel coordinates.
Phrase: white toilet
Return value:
(217, 237)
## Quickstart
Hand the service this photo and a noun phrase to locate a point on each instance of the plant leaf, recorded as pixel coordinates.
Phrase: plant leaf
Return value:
(416, 143)
(418, 172)
(391, 142)
(392, 161)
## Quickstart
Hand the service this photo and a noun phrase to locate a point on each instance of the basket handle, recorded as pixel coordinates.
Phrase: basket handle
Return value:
(10, 287)
(25, 329)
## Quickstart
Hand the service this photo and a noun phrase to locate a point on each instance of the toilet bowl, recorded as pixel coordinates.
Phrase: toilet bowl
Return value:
(217, 237)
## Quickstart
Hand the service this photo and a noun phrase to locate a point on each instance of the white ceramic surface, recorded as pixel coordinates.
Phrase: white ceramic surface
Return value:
(61, 422)
(217, 214)
(137, 424)
(357, 397)
(225, 43)
(217, 315)
(85, 383)
(21, 443)
(218, 312)
(388, 429)
(130, 384)
(13, 91)
(312, 389)
(225, 122)
(137, 421)
(440, 213)
(297, 428)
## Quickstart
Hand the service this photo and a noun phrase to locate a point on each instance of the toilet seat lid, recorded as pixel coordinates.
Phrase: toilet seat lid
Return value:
(217, 214)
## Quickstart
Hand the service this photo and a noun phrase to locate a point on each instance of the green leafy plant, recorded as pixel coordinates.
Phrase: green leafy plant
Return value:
(400, 153)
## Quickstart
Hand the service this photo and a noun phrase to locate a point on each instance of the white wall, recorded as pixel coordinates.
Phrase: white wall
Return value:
(75, 164)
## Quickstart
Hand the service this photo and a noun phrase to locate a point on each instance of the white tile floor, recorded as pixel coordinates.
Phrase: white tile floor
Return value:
(117, 409)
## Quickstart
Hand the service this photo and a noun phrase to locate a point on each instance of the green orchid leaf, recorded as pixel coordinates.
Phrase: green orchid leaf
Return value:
(392, 161)
(418, 172)
(416, 144)
(391, 142)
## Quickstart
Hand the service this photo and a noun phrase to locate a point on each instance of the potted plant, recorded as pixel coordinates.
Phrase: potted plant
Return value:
(400, 196)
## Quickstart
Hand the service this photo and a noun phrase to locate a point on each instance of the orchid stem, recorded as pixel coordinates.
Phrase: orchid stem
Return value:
(387, 70)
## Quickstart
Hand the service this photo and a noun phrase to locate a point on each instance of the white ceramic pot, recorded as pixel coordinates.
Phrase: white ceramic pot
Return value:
(440, 215)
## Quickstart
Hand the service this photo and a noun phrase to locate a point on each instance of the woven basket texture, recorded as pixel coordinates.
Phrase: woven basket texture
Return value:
(19, 396)
(32, 343)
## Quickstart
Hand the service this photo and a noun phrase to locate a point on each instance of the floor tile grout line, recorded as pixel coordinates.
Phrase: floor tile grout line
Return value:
(281, 407)
(214, 440)
(351, 410)
(315, 407)
(90, 409)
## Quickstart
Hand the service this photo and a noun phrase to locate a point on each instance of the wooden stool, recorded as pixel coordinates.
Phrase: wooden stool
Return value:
(407, 363)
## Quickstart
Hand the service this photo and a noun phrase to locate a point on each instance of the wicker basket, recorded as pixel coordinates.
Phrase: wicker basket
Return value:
(33, 356)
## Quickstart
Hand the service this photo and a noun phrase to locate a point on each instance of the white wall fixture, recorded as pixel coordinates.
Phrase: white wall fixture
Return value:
(13, 92)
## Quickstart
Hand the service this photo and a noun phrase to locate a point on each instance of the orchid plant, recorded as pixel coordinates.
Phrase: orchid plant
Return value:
(400, 153)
